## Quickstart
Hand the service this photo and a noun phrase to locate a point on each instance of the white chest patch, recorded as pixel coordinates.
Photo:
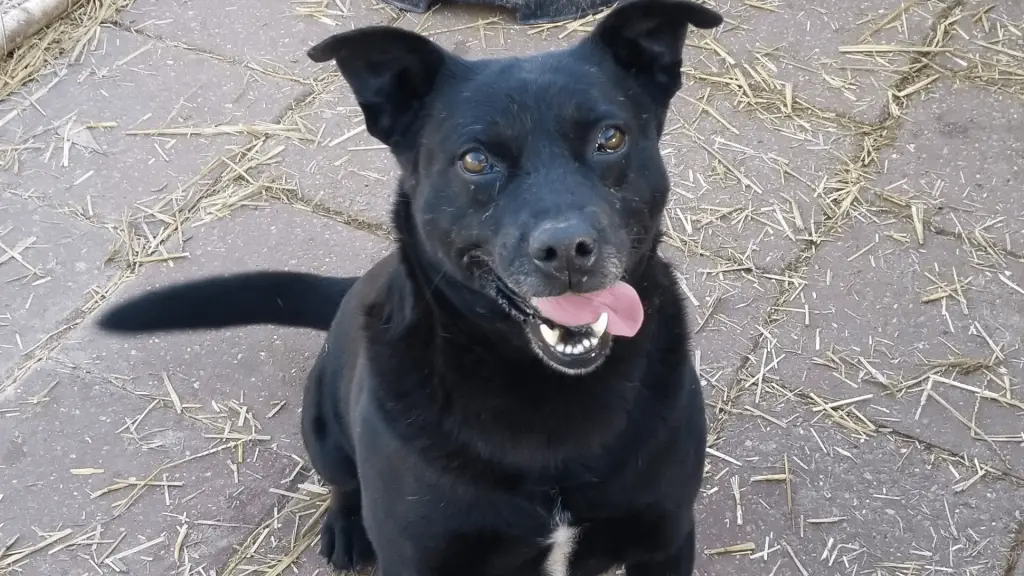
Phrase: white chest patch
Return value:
(563, 542)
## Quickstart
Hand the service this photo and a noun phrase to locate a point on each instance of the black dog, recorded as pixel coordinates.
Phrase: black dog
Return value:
(510, 392)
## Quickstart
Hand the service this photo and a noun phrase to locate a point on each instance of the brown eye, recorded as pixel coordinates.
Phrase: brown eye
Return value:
(611, 139)
(475, 163)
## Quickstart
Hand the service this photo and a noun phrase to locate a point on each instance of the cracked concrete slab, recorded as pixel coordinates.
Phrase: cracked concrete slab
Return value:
(49, 264)
(75, 149)
(751, 185)
(123, 481)
(791, 86)
(258, 366)
(841, 59)
(885, 321)
(960, 159)
(801, 495)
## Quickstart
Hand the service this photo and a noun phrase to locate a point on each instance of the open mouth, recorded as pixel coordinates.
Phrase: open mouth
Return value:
(574, 350)
(573, 333)
(573, 341)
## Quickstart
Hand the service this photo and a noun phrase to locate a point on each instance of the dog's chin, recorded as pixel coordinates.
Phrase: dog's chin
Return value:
(571, 350)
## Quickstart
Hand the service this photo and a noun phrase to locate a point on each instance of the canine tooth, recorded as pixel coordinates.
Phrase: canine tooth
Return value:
(550, 335)
(592, 342)
(601, 325)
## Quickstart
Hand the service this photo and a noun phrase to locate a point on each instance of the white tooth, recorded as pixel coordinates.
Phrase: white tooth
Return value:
(560, 348)
(601, 325)
(550, 335)
(592, 342)
(577, 349)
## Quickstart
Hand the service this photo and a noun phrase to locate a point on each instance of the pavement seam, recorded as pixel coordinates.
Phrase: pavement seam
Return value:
(42, 350)
(935, 448)
(803, 111)
(355, 221)
(239, 62)
(129, 269)
(1015, 555)
(120, 383)
(126, 270)
(73, 212)
(885, 133)
(964, 75)
(952, 234)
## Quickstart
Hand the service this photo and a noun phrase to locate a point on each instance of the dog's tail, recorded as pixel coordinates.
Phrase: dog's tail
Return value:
(271, 297)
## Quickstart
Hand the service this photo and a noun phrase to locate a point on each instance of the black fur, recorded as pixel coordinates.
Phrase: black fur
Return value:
(272, 297)
(452, 442)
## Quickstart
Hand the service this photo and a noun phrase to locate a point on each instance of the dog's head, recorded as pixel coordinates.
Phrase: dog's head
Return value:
(537, 181)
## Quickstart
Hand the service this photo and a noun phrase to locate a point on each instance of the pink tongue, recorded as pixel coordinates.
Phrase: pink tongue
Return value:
(625, 312)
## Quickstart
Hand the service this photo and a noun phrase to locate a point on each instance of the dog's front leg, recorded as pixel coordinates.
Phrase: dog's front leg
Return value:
(343, 539)
(679, 563)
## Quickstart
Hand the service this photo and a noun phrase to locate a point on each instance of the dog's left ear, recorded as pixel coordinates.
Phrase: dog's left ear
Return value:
(645, 37)
(391, 71)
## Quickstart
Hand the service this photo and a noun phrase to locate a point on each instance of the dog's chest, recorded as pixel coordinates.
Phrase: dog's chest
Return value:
(562, 541)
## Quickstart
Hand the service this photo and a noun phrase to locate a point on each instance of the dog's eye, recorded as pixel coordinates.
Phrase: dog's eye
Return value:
(475, 163)
(611, 139)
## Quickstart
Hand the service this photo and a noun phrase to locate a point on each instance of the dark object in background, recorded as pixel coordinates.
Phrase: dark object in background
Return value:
(527, 11)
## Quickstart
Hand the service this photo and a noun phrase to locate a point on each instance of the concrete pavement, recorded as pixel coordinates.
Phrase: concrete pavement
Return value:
(847, 224)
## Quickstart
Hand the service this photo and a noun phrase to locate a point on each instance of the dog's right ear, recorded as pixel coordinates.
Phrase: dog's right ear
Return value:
(646, 37)
(391, 71)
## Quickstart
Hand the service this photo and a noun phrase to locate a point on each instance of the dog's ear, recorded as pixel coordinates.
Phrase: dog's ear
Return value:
(645, 37)
(391, 72)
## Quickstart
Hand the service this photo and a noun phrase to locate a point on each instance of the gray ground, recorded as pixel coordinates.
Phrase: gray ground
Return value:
(848, 225)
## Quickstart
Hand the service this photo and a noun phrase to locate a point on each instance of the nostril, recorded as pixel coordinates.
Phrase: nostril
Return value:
(557, 245)
(584, 248)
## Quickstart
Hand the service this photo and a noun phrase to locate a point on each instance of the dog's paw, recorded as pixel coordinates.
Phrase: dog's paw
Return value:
(343, 541)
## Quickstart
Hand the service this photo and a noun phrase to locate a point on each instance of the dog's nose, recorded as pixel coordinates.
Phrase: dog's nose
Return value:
(564, 247)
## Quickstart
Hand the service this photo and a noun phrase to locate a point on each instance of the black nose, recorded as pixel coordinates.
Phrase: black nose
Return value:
(564, 247)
